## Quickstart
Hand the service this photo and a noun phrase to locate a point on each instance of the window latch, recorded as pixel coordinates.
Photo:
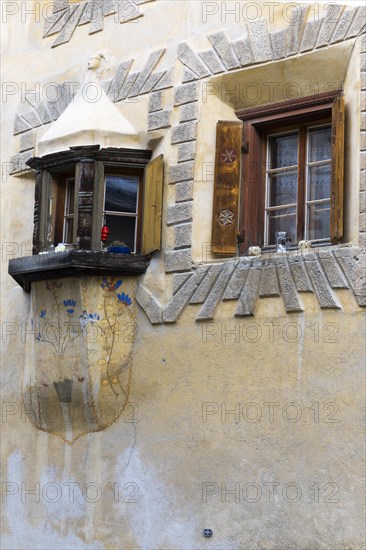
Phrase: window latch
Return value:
(245, 147)
(240, 236)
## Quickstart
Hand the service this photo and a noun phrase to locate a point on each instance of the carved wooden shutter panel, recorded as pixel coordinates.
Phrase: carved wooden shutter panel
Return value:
(226, 187)
(153, 203)
(36, 215)
(337, 181)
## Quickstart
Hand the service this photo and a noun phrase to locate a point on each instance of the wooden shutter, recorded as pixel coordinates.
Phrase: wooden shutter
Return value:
(152, 207)
(337, 181)
(253, 188)
(226, 187)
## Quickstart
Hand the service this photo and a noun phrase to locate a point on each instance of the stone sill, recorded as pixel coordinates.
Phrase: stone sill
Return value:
(72, 263)
(270, 253)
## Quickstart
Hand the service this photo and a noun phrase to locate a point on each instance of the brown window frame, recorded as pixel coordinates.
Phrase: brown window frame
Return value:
(69, 217)
(259, 122)
(56, 210)
(112, 169)
(53, 209)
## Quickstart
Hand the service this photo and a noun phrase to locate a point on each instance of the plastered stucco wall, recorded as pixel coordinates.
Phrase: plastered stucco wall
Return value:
(249, 426)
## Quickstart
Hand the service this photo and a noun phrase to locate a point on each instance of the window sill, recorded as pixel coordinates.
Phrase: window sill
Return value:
(72, 263)
(313, 246)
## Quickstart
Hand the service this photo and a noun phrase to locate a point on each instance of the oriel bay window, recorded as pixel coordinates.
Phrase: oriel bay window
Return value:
(280, 169)
(80, 192)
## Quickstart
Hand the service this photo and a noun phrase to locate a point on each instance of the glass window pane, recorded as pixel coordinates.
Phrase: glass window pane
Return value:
(282, 188)
(283, 219)
(121, 194)
(318, 221)
(122, 229)
(319, 182)
(320, 144)
(69, 226)
(283, 150)
(70, 191)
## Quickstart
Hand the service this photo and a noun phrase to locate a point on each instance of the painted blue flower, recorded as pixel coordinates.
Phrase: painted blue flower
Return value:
(69, 305)
(43, 313)
(93, 317)
(125, 299)
(110, 285)
(39, 337)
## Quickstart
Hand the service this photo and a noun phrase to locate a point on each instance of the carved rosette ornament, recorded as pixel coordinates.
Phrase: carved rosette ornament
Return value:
(228, 155)
(226, 217)
(79, 354)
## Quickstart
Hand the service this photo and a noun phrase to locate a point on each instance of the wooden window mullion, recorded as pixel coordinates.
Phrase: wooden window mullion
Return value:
(37, 212)
(85, 187)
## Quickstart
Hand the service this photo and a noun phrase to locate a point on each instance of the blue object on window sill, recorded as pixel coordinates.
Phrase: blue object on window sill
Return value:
(119, 249)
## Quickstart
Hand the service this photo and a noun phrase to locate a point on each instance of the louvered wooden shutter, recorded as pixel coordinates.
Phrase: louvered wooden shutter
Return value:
(226, 187)
(152, 207)
(337, 182)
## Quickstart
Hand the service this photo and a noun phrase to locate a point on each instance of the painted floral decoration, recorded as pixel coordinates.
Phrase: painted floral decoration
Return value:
(125, 299)
(110, 285)
(69, 305)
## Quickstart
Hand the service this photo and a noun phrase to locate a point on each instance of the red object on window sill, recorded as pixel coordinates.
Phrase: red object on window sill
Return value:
(105, 233)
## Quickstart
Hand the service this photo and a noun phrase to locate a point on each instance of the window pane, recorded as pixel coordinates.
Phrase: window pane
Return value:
(121, 193)
(122, 229)
(318, 221)
(320, 144)
(69, 202)
(283, 150)
(282, 220)
(282, 188)
(319, 182)
(69, 226)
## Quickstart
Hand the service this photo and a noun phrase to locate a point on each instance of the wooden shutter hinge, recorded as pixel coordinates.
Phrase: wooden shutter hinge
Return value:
(245, 147)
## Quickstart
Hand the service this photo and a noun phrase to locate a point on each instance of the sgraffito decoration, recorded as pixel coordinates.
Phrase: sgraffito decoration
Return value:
(79, 352)
(69, 14)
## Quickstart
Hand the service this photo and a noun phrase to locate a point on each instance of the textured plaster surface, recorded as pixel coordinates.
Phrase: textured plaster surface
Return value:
(200, 416)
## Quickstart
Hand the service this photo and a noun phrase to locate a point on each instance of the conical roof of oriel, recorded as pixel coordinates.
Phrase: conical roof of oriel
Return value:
(90, 119)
